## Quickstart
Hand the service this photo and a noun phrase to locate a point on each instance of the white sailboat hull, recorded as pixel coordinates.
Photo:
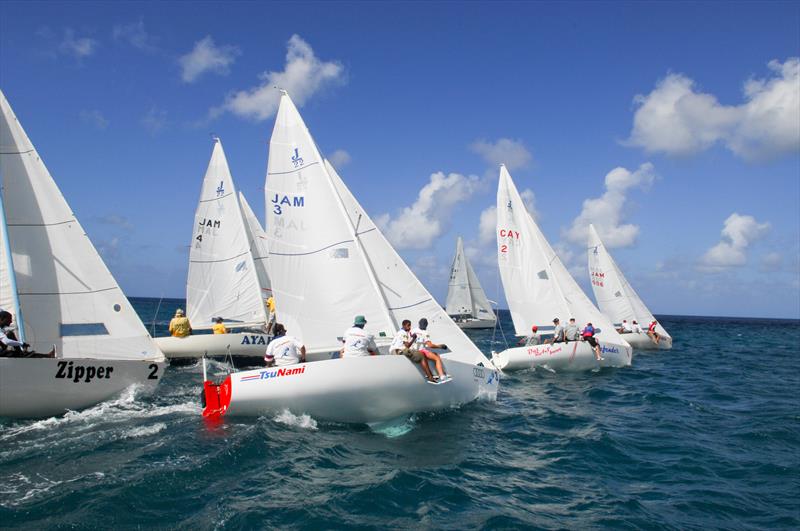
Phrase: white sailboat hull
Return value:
(43, 387)
(643, 342)
(574, 356)
(352, 390)
(475, 323)
(197, 346)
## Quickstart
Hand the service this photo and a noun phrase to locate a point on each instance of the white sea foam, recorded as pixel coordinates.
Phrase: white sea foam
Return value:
(394, 428)
(299, 421)
(144, 431)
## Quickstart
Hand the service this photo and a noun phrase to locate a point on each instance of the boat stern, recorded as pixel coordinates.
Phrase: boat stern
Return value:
(216, 398)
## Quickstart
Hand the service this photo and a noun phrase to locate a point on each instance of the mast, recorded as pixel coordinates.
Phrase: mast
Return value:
(12, 277)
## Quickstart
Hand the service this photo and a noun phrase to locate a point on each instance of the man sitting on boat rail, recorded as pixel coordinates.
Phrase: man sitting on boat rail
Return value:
(423, 343)
(624, 328)
(283, 349)
(179, 325)
(404, 343)
(357, 342)
(532, 340)
(558, 333)
(219, 326)
(10, 347)
(572, 332)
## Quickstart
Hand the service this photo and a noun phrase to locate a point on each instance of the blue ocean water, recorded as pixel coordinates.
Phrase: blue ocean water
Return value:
(706, 435)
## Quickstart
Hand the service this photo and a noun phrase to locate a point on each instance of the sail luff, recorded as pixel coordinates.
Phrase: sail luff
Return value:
(258, 246)
(9, 293)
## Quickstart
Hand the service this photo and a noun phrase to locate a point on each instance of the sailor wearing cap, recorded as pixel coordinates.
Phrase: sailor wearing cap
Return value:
(357, 342)
(535, 338)
(179, 325)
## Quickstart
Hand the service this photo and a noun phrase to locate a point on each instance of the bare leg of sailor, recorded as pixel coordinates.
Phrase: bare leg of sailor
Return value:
(436, 359)
(426, 369)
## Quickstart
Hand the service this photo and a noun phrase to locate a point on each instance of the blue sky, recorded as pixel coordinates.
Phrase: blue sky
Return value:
(690, 109)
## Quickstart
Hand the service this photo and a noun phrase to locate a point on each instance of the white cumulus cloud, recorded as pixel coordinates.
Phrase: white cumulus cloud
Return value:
(136, 35)
(512, 153)
(678, 119)
(303, 76)
(77, 47)
(207, 57)
(606, 211)
(738, 234)
(339, 158)
(418, 225)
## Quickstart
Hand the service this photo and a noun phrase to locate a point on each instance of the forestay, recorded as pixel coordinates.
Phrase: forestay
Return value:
(66, 294)
(538, 286)
(328, 260)
(223, 281)
(615, 296)
(258, 246)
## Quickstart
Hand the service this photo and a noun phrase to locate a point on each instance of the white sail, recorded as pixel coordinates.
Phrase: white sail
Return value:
(405, 296)
(258, 247)
(66, 294)
(481, 307)
(615, 296)
(459, 297)
(328, 260)
(538, 286)
(8, 290)
(465, 296)
(222, 280)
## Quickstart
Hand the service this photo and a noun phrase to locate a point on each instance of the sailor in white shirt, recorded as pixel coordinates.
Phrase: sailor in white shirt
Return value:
(423, 343)
(283, 349)
(635, 328)
(624, 328)
(357, 342)
(11, 347)
(404, 343)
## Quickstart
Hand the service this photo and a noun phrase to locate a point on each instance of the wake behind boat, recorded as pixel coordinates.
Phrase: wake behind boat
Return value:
(539, 288)
(329, 262)
(466, 303)
(61, 295)
(227, 272)
(619, 301)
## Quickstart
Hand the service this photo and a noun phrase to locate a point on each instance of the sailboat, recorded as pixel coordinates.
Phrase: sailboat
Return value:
(618, 300)
(466, 303)
(329, 263)
(227, 272)
(539, 288)
(61, 296)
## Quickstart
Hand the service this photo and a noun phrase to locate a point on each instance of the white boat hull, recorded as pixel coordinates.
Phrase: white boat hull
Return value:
(44, 387)
(197, 346)
(643, 342)
(476, 323)
(351, 390)
(563, 357)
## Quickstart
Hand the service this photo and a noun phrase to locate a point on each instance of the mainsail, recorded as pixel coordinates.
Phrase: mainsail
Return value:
(66, 293)
(328, 260)
(258, 246)
(538, 286)
(465, 296)
(615, 296)
(223, 281)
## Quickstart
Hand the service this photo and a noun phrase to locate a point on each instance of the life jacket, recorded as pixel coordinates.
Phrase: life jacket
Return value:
(652, 327)
(588, 331)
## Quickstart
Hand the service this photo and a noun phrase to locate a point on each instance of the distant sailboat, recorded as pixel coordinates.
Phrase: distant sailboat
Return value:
(539, 288)
(329, 263)
(467, 304)
(617, 298)
(224, 279)
(60, 294)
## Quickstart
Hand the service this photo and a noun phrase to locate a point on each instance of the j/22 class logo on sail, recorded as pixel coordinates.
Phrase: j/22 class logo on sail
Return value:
(297, 160)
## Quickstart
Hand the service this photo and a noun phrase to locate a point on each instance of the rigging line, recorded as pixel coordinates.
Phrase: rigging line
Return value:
(216, 261)
(16, 152)
(311, 252)
(215, 198)
(155, 316)
(294, 170)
